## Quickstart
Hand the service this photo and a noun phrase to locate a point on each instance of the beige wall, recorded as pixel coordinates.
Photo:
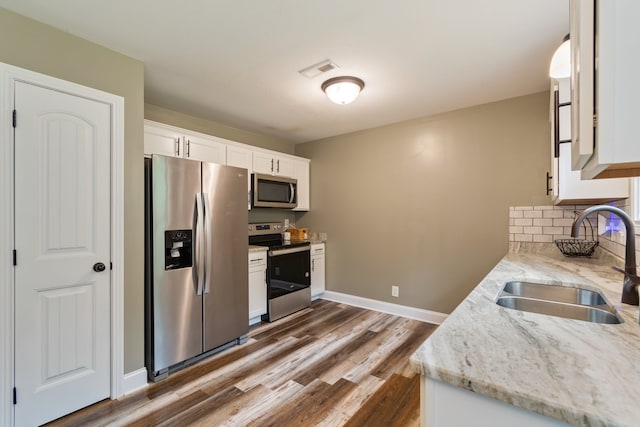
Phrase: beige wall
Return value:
(424, 204)
(210, 127)
(28, 44)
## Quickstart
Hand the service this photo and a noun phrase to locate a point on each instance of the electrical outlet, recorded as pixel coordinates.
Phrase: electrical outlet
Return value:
(286, 223)
(395, 291)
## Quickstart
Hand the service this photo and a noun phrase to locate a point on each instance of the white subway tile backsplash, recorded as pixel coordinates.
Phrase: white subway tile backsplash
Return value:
(553, 230)
(553, 214)
(544, 224)
(532, 230)
(562, 222)
(533, 214)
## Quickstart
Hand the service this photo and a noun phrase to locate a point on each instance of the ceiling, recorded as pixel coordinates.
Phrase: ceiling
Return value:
(237, 62)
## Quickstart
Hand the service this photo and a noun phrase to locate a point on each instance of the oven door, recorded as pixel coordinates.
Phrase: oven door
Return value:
(289, 270)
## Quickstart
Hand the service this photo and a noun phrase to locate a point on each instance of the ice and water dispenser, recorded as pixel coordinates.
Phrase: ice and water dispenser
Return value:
(178, 249)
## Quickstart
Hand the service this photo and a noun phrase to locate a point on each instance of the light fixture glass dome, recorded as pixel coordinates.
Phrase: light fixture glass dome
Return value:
(561, 62)
(343, 90)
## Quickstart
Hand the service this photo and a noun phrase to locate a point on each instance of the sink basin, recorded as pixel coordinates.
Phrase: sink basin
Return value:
(555, 300)
(556, 293)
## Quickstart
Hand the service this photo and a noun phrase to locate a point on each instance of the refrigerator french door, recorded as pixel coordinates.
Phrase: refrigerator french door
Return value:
(196, 276)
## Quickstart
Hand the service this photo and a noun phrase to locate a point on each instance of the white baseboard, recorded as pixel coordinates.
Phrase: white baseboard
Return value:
(134, 381)
(386, 307)
(255, 320)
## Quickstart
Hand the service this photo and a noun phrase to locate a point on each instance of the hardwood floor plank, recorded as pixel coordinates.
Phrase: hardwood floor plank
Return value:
(202, 409)
(340, 413)
(387, 406)
(328, 365)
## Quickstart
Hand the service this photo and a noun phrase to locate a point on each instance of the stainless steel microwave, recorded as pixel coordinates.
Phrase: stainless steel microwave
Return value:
(269, 191)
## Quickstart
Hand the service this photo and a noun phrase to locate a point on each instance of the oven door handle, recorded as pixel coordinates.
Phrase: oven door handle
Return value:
(286, 251)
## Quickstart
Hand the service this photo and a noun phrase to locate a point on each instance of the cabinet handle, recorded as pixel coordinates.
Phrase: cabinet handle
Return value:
(188, 148)
(278, 166)
(177, 147)
(271, 165)
(549, 178)
(313, 265)
(257, 260)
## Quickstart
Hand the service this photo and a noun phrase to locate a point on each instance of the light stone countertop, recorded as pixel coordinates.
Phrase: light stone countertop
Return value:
(582, 373)
(255, 248)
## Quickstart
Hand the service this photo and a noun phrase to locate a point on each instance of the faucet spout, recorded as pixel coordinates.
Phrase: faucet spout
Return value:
(631, 280)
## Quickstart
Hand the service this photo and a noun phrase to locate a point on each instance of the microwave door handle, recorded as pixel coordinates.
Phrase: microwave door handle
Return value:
(293, 194)
(199, 258)
(207, 243)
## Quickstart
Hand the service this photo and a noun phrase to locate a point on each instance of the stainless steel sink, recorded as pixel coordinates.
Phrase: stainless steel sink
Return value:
(554, 293)
(557, 300)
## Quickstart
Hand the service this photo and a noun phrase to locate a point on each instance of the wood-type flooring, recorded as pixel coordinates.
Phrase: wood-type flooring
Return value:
(328, 365)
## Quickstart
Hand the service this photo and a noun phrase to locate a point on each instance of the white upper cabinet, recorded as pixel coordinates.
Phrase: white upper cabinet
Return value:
(568, 187)
(605, 118)
(205, 149)
(171, 141)
(301, 173)
(161, 140)
(269, 162)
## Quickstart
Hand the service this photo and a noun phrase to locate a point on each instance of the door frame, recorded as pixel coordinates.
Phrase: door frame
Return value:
(8, 75)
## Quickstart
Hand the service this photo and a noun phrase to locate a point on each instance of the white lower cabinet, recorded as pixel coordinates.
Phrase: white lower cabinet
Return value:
(441, 405)
(317, 270)
(257, 285)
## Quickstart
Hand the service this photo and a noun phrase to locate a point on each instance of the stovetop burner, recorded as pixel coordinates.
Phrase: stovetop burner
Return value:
(270, 234)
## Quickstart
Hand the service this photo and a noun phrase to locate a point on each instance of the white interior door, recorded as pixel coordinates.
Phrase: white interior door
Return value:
(62, 229)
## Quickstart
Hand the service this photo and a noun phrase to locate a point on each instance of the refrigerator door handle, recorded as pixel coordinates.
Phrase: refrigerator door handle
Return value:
(207, 241)
(200, 245)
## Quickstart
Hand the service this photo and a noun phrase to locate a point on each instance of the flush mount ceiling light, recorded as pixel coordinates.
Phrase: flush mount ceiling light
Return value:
(343, 90)
(561, 62)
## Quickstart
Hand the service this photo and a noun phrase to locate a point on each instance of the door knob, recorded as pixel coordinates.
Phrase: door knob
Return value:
(98, 267)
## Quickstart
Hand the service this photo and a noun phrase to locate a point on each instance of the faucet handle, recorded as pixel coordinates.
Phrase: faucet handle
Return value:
(634, 278)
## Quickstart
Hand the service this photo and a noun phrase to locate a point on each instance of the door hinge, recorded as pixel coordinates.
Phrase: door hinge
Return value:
(15, 396)
(14, 118)
(110, 266)
(15, 257)
(595, 120)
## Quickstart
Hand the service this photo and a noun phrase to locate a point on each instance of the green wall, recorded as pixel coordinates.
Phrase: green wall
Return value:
(29, 44)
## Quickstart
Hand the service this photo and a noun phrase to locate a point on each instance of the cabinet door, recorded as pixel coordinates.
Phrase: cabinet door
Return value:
(317, 269)
(162, 141)
(301, 173)
(257, 284)
(241, 158)
(284, 166)
(270, 163)
(582, 60)
(204, 149)
(263, 162)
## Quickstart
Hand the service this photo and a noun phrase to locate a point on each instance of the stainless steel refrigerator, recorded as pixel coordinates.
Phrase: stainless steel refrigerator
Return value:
(196, 275)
